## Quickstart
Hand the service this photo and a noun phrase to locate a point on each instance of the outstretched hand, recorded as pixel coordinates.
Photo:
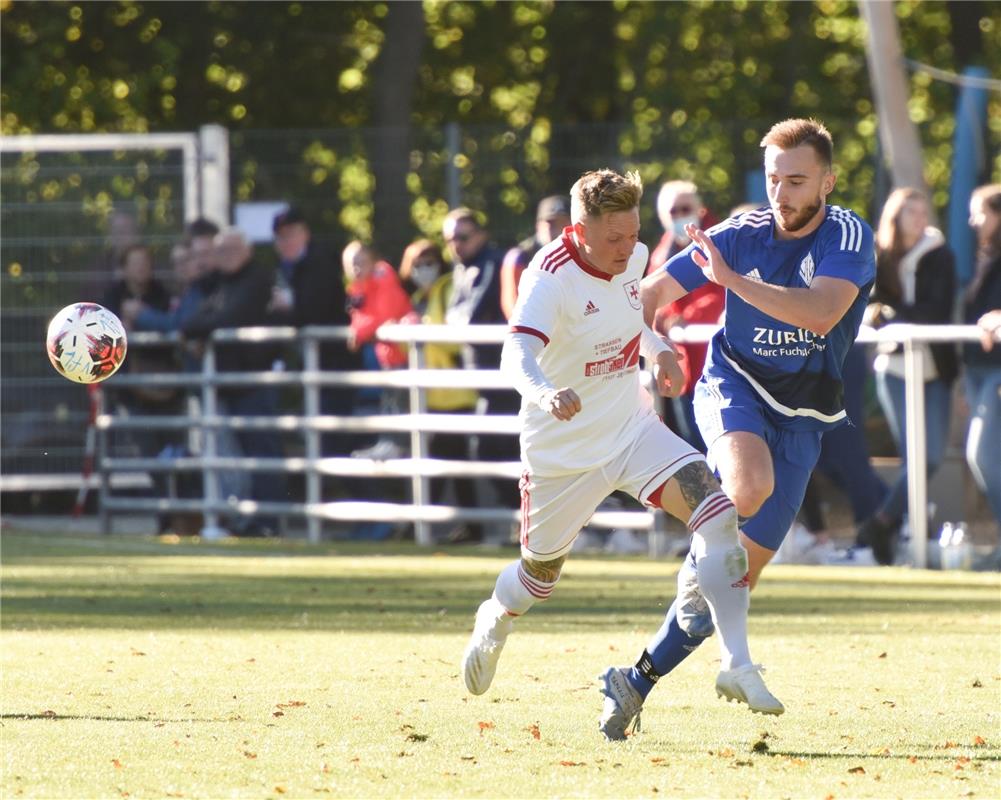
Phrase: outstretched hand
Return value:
(709, 260)
(563, 404)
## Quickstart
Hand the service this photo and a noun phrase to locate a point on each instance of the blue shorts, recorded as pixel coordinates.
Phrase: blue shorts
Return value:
(727, 404)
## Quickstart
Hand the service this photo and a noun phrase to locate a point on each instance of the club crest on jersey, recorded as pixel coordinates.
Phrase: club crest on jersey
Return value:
(632, 290)
(806, 269)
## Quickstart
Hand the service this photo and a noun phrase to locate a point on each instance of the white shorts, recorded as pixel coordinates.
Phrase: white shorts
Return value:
(553, 510)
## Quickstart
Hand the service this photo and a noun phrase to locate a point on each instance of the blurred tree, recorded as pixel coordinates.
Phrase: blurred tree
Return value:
(542, 91)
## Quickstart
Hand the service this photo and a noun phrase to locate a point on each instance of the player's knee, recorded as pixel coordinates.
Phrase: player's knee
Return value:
(544, 571)
(750, 493)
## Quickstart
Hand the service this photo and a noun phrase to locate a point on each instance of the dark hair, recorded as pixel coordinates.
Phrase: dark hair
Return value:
(791, 133)
(199, 227)
(124, 257)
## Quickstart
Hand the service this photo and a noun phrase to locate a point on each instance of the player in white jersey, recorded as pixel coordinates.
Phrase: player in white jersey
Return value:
(588, 429)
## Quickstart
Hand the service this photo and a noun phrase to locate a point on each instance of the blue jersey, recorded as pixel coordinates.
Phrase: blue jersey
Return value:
(796, 373)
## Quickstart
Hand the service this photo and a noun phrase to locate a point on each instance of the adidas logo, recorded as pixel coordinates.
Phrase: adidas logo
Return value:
(590, 308)
(754, 275)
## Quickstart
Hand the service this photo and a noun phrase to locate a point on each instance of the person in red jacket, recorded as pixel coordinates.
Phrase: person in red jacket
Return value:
(678, 204)
(375, 297)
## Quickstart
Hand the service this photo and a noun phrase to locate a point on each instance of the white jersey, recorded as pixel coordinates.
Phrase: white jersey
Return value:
(590, 323)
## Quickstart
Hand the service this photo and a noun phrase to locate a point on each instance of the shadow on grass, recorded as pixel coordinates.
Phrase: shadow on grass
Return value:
(106, 583)
(95, 718)
(882, 757)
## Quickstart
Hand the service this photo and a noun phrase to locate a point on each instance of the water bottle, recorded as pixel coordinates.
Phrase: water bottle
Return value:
(945, 546)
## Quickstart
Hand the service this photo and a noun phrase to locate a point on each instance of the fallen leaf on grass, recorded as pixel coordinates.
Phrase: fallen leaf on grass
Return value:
(117, 763)
(571, 763)
(137, 652)
(278, 714)
(881, 655)
(657, 760)
(760, 746)
(856, 771)
(726, 752)
(976, 683)
(979, 741)
(290, 704)
(534, 730)
(485, 726)
(248, 754)
(418, 737)
(280, 789)
(913, 759)
(48, 713)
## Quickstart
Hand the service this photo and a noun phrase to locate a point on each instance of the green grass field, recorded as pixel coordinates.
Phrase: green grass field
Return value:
(139, 668)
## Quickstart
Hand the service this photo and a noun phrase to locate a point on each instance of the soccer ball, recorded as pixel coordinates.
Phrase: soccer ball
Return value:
(86, 343)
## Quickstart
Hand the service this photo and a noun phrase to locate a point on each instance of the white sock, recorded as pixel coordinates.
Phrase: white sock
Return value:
(721, 564)
(516, 591)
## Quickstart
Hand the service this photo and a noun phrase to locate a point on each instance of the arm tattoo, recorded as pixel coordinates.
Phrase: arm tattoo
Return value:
(545, 571)
(696, 483)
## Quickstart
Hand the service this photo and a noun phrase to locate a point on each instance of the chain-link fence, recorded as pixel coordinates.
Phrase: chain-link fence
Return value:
(65, 217)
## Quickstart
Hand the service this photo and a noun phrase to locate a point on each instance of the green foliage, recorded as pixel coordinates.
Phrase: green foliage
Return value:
(542, 90)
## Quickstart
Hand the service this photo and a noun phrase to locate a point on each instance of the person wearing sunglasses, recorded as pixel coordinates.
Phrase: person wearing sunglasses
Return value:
(475, 300)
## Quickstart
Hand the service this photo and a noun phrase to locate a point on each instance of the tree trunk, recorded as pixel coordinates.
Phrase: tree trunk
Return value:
(394, 88)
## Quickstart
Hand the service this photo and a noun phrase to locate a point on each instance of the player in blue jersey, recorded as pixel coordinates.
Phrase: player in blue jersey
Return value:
(797, 275)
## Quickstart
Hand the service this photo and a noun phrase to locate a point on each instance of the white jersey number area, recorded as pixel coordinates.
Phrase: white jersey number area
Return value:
(590, 323)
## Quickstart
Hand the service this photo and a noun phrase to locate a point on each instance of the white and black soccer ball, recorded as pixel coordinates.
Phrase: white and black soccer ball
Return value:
(86, 343)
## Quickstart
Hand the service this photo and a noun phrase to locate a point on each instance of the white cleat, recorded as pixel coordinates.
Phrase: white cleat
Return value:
(694, 616)
(622, 705)
(745, 685)
(479, 662)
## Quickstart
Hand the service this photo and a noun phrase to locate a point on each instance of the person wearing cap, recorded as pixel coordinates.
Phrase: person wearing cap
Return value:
(310, 290)
(551, 217)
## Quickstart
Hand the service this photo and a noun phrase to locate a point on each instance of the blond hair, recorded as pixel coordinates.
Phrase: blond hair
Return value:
(604, 191)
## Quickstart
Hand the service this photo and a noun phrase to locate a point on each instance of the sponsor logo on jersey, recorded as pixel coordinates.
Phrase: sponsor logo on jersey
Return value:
(632, 289)
(754, 275)
(806, 269)
(627, 357)
(590, 308)
(799, 342)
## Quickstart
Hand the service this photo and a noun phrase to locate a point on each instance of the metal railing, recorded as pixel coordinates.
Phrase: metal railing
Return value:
(418, 467)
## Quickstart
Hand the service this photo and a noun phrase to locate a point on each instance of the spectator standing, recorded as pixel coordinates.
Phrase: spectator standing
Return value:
(375, 297)
(475, 300)
(240, 298)
(551, 217)
(679, 204)
(309, 290)
(423, 266)
(138, 285)
(982, 362)
(915, 283)
(137, 282)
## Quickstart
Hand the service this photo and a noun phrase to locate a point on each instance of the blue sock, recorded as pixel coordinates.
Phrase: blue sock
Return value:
(668, 648)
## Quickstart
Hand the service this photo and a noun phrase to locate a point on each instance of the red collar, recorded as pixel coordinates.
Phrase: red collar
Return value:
(571, 246)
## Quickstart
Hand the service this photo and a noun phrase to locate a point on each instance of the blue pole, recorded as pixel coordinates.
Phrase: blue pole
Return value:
(969, 157)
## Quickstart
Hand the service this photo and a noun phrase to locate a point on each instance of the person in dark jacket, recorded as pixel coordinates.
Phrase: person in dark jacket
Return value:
(915, 283)
(241, 299)
(982, 360)
(475, 300)
(310, 290)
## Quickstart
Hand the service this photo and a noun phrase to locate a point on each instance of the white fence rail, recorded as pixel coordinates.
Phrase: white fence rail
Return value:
(419, 467)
